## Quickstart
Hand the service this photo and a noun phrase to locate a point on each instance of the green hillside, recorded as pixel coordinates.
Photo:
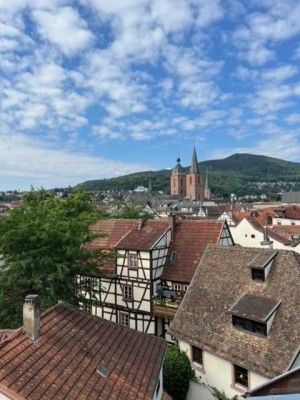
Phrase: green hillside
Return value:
(242, 174)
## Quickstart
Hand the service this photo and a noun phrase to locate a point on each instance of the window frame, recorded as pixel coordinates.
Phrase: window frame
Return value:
(197, 355)
(124, 314)
(237, 380)
(249, 325)
(258, 274)
(133, 257)
(127, 288)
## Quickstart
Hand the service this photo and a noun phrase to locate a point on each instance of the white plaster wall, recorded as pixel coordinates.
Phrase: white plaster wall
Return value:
(242, 235)
(2, 397)
(217, 372)
(285, 221)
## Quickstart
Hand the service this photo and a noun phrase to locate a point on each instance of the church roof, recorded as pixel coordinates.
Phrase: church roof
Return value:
(194, 166)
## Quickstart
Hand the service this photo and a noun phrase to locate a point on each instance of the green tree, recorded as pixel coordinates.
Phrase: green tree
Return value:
(177, 373)
(40, 244)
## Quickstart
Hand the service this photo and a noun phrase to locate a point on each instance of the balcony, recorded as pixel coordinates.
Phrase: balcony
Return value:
(166, 303)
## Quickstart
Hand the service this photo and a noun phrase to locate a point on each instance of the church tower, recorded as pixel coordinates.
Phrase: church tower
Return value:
(178, 180)
(207, 191)
(195, 181)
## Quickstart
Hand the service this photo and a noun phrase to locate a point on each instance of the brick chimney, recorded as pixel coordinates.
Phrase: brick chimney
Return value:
(172, 224)
(31, 316)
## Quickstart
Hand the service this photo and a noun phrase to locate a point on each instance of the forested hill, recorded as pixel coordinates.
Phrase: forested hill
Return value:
(241, 174)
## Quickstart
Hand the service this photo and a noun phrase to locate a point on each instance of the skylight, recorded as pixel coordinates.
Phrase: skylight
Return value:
(103, 371)
(173, 256)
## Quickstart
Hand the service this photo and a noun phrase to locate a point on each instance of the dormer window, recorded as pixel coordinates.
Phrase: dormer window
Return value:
(254, 313)
(258, 274)
(261, 265)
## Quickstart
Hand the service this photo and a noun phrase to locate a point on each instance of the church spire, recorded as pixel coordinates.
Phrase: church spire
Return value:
(194, 166)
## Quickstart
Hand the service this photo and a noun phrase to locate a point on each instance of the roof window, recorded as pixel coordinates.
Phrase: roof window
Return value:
(173, 256)
(103, 371)
(254, 313)
(261, 265)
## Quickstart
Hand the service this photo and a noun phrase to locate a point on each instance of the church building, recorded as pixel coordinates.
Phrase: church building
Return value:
(191, 185)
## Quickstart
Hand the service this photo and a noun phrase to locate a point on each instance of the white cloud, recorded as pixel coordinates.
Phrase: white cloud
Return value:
(293, 118)
(280, 74)
(64, 28)
(141, 136)
(21, 157)
(287, 148)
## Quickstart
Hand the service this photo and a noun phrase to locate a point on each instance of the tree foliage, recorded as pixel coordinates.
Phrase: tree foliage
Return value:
(235, 174)
(177, 373)
(40, 244)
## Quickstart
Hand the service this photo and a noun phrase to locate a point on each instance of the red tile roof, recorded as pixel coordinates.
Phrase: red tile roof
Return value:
(144, 238)
(109, 231)
(292, 212)
(190, 241)
(287, 230)
(63, 363)
(221, 279)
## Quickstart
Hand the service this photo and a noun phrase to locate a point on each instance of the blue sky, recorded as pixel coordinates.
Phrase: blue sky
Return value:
(91, 89)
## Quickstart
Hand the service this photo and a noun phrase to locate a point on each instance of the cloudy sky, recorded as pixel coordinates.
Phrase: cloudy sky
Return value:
(99, 88)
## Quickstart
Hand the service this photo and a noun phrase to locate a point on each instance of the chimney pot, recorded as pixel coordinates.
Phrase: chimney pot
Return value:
(31, 316)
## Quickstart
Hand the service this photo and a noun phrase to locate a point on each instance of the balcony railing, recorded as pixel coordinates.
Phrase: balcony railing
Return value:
(166, 303)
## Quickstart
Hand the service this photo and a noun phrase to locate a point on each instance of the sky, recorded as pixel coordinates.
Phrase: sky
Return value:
(93, 89)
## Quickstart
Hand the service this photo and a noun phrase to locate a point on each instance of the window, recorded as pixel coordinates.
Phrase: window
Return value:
(185, 288)
(124, 318)
(127, 293)
(190, 180)
(279, 223)
(240, 376)
(173, 256)
(246, 235)
(253, 236)
(258, 274)
(197, 355)
(133, 261)
(292, 223)
(269, 220)
(249, 325)
(176, 286)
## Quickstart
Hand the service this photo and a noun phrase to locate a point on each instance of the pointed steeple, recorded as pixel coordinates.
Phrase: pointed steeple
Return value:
(206, 180)
(194, 166)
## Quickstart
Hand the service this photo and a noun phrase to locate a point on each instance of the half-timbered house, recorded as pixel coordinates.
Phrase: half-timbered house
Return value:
(148, 270)
(123, 291)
